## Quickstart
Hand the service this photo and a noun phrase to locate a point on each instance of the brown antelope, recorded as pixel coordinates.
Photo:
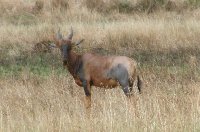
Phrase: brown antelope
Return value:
(95, 70)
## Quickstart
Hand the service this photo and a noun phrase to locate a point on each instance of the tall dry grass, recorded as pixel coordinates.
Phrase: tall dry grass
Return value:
(37, 95)
(30, 103)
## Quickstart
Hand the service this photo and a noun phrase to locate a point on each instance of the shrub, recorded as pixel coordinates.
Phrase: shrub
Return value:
(128, 6)
(59, 4)
(37, 8)
(194, 3)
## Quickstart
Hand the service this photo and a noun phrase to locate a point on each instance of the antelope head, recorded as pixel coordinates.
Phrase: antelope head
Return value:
(65, 44)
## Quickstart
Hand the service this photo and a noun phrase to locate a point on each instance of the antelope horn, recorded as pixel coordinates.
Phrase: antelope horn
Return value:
(59, 35)
(70, 35)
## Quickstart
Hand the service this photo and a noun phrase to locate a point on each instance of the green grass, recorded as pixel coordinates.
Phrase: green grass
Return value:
(39, 64)
(162, 64)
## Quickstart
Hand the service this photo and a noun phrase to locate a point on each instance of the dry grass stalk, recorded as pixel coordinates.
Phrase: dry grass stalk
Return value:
(161, 41)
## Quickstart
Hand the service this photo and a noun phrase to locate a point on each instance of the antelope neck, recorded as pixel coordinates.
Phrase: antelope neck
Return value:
(73, 63)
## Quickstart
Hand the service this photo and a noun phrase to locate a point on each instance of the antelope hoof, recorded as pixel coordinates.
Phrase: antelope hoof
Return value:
(88, 102)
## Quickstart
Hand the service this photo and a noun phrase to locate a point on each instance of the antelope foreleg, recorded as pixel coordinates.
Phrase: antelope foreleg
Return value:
(87, 90)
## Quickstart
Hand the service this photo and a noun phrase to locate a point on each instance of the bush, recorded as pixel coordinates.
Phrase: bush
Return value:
(194, 3)
(128, 6)
(37, 8)
(122, 6)
(60, 4)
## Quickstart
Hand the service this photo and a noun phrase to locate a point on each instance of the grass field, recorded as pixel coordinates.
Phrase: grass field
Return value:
(38, 94)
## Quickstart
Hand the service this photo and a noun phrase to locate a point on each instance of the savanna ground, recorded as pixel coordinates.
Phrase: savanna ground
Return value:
(37, 94)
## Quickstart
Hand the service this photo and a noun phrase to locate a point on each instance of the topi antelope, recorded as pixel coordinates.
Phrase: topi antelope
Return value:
(95, 70)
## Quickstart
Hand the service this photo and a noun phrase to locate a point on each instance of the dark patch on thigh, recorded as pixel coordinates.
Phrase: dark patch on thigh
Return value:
(120, 74)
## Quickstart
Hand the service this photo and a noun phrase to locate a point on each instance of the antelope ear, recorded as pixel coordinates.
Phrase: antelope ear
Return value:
(79, 42)
(70, 35)
(52, 45)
